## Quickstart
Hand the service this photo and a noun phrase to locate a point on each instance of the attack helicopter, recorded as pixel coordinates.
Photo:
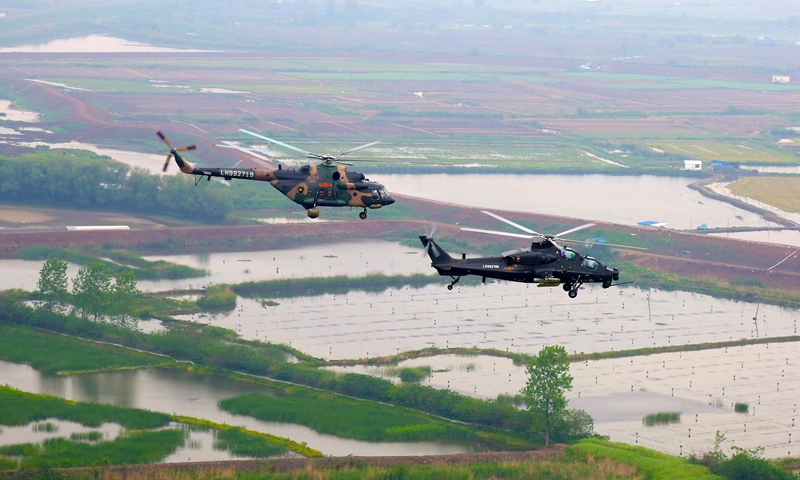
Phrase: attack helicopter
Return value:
(545, 263)
(327, 184)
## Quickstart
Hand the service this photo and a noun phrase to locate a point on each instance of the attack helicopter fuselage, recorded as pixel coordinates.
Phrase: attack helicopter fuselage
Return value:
(544, 263)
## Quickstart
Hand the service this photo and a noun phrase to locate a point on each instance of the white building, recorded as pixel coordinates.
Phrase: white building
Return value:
(692, 165)
(781, 79)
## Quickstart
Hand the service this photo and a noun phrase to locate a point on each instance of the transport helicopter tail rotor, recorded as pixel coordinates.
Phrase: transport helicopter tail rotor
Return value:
(172, 150)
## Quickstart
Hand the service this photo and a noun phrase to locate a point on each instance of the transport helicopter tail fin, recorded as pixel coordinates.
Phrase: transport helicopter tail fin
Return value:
(434, 251)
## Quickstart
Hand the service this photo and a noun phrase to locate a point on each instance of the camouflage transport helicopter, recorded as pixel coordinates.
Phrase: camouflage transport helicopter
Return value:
(546, 262)
(324, 185)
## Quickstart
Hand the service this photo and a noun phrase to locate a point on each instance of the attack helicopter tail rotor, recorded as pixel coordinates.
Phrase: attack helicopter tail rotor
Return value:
(172, 150)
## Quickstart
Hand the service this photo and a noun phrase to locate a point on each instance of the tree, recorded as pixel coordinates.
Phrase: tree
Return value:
(124, 296)
(91, 289)
(52, 284)
(548, 379)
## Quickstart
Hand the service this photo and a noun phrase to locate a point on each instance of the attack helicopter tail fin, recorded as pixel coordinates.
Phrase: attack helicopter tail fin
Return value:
(434, 251)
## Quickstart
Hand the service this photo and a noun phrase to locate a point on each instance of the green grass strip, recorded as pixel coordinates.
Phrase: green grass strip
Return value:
(241, 441)
(52, 353)
(21, 408)
(344, 417)
(653, 465)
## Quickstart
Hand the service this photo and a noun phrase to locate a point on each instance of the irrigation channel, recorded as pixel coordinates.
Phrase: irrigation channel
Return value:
(185, 393)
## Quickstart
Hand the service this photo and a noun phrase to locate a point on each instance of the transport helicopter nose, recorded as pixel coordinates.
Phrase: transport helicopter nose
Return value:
(388, 200)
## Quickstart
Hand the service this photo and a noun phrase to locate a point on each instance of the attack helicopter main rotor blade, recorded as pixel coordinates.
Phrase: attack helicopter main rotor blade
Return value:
(358, 148)
(516, 225)
(585, 242)
(504, 234)
(285, 145)
(573, 230)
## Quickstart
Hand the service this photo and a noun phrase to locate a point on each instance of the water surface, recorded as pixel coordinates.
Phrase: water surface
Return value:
(610, 198)
(185, 393)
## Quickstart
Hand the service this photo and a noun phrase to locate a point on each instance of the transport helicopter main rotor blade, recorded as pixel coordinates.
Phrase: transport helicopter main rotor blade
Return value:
(358, 148)
(186, 149)
(163, 138)
(504, 234)
(573, 230)
(285, 145)
(166, 164)
(515, 225)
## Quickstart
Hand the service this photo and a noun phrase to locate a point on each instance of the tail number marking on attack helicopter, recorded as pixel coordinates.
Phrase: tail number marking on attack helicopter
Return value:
(237, 173)
(491, 266)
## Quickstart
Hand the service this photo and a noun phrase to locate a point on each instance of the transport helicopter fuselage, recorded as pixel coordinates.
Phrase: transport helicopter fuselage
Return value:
(310, 186)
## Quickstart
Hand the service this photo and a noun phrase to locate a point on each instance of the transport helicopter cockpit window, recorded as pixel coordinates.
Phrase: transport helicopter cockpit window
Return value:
(589, 263)
(568, 254)
(384, 193)
(375, 195)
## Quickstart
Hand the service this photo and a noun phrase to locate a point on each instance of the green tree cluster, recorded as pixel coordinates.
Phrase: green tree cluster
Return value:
(94, 295)
(548, 380)
(82, 179)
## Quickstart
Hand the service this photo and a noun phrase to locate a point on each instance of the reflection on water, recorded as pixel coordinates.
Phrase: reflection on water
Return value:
(26, 273)
(595, 197)
(354, 259)
(185, 393)
(509, 316)
(14, 115)
(64, 428)
(91, 44)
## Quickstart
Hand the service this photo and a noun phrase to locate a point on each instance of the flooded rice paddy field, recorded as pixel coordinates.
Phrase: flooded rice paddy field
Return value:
(353, 259)
(667, 198)
(185, 393)
(507, 316)
(619, 393)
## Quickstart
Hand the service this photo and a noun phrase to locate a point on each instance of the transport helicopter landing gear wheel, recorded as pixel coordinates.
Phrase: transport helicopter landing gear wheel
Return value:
(362, 215)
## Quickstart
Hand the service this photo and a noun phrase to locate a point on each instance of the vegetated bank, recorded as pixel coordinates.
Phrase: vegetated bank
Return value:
(499, 422)
(149, 436)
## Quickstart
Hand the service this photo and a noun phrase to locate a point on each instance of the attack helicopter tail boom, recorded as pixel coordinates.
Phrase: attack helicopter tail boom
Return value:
(439, 258)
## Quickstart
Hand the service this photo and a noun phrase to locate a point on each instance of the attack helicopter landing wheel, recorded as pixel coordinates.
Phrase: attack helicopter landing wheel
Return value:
(606, 284)
(573, 293)
(567, 287)
(362, 215)
(449, 287)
